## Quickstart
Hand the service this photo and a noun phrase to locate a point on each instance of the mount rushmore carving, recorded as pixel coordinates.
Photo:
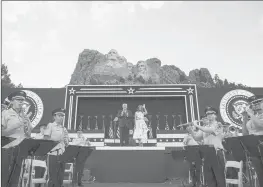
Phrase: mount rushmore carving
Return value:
(95, 68)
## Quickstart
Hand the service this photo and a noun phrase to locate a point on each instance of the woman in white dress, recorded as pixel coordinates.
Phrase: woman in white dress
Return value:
(140, 128)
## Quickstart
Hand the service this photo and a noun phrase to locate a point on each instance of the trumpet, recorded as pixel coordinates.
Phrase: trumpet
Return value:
(190, 123)
(232, 129)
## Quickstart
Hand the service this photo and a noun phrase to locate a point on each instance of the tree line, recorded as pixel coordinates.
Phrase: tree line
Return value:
(5, 78)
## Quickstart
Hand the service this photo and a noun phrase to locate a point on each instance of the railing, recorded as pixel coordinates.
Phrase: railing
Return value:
(109, 124)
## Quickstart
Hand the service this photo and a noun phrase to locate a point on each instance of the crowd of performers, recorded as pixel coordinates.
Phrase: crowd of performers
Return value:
(212, 132)
(17, 126)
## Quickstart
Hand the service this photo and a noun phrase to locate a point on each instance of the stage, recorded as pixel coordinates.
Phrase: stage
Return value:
(136, 165)
(172, 183)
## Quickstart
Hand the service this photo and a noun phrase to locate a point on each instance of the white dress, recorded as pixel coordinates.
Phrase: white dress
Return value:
(140, 128)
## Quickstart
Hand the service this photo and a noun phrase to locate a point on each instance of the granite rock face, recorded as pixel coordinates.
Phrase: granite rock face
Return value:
(94, 68)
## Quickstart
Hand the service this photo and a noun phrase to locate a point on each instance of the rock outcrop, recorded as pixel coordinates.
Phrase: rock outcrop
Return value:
(95, 68)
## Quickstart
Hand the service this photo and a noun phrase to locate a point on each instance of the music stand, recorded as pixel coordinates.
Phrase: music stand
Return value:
(71, 153)
(32, 147)
(6, 140)
(260, 147)
(233, 146)
(249, 144)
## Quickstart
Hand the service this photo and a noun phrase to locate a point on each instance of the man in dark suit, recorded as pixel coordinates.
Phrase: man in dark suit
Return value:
(125, 123)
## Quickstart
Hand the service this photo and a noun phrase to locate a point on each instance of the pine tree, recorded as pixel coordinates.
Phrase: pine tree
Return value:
(5, 77)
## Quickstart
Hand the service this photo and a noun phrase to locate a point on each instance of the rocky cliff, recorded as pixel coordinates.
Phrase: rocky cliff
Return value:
(95, 68)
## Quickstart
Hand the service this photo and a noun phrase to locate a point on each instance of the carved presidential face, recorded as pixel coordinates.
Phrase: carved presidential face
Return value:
(130, 66)
(112, 55)
(141, 66)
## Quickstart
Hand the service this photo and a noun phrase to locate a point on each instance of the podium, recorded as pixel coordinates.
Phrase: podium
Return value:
(78, 155)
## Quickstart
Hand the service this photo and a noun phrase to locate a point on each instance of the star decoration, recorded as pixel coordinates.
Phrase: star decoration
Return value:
(101, 139)
(160, 140)
(190, 90)
(130, 91)
(167, 140)
(72, 91)
(180, 140)
(95, 140)
(173, 140)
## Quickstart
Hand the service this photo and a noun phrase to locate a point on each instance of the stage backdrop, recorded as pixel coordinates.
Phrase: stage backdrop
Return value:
(109, 106)
(52, 98)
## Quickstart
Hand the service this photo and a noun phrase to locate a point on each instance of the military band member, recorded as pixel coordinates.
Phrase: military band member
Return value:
(56, 132)
(254, 126)
(15, 124)
(212, 134)
(194, 166)
(40, 135)
(80, 140)
(189, 140)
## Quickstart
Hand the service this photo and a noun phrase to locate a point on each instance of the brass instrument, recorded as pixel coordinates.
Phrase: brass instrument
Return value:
(230, 131)
(190, 123)
(65, 137)
(27, 124)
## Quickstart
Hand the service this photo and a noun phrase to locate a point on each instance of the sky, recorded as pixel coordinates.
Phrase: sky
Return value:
(41, 41)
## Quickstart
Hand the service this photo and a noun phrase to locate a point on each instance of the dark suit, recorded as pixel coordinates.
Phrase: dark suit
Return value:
(125, 123)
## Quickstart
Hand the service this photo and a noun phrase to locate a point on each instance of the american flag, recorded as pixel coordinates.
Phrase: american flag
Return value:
(150, 131)
(167, 126)
(118, 132)
(110, 132)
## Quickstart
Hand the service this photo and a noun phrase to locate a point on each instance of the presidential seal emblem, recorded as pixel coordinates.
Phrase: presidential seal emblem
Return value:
(232, 106)
(33, 107)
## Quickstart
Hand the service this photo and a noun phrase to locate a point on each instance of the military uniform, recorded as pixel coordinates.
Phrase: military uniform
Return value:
(79, 141)
(56, 167)
(257, 130)
(213, 166)
(15, 125)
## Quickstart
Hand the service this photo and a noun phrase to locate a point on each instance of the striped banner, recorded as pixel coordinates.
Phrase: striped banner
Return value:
(116, 142)
(96, 138)
(170, 138)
